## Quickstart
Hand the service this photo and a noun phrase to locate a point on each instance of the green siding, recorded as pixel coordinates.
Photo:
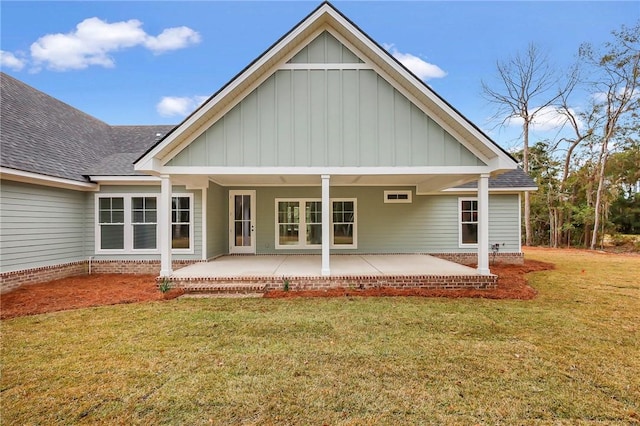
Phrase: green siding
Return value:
(217, 221)
(325, 118)
(325, 49)
(427, 225)
(40, 226)
(90, 249)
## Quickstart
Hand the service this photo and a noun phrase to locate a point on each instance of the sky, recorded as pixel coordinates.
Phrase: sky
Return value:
(153, 62)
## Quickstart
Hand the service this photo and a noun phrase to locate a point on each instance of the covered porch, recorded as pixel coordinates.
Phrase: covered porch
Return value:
(259, 273)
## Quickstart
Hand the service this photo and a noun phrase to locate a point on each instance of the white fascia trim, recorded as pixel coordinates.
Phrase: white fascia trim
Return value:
(374, 171)
(38, 179)
(126, 180)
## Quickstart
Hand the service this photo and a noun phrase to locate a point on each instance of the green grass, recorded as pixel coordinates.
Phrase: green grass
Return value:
(570, 356)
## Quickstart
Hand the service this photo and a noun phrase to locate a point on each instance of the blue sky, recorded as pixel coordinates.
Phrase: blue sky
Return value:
(152, 62)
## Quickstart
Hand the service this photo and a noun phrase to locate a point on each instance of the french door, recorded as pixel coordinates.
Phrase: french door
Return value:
(242, 222)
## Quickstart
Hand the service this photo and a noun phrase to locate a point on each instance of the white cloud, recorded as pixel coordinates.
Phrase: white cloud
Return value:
(421, 68)
(11, 61)
(172, 39)
(94, 40)
(546, 119)
(178, 106)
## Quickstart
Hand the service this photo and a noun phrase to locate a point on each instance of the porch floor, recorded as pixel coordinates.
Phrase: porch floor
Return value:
(350, 265)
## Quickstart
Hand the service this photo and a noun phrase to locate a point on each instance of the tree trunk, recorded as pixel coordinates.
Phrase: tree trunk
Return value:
(527, 200)
(596, 219)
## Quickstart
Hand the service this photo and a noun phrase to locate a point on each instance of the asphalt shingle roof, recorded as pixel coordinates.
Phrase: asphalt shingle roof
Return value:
(41, 134)
(512, 179)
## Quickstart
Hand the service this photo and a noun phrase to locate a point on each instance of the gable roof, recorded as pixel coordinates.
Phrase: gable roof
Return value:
(43, 135)
(326, 16)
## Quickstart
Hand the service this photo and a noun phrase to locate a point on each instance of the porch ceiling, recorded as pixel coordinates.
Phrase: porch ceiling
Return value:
(426, 182)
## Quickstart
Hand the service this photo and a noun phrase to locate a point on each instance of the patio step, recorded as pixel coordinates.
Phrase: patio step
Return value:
(224, 288)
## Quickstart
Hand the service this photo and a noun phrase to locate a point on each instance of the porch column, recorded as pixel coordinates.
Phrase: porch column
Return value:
(326, 229)
(483, 225)
(164, 223)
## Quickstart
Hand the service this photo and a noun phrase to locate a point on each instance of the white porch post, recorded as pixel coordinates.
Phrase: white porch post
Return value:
(326, 230)
(164, 222)
(483, 225)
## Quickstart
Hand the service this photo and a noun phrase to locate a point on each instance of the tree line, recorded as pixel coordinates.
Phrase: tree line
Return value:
(588, 175)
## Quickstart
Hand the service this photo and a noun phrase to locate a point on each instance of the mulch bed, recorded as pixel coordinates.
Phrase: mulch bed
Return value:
(112, 289)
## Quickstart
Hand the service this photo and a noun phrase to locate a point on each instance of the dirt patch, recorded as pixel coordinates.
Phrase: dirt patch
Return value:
(113, 289)
(81, 292)
(512, 284)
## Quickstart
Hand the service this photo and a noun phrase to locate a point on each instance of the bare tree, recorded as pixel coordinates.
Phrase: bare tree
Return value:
(527, 85)
(616, 99)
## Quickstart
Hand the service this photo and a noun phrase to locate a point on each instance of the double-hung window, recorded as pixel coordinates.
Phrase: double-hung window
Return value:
(468, 219)
(299, 223)
(128, 223)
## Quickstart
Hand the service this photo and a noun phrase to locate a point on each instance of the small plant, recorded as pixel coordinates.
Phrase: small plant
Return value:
(285, 285)
(165, 285)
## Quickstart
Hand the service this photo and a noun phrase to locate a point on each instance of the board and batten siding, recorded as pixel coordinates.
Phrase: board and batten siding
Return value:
(217, 221)
(40, 226)
(90, 222)
(427, 225)
(326, 117)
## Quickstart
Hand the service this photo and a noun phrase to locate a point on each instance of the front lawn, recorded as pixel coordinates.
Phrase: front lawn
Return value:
(572, 355)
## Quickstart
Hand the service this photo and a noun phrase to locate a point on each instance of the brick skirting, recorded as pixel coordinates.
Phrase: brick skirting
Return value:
(472, 258)
(12, 280)
(205, 284)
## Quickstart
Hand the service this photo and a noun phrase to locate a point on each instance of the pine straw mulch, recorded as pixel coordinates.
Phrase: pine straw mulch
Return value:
(112, 289)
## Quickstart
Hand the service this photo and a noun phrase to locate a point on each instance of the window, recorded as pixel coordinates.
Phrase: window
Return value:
(397, 196)
(111, 223)
(181, 223)
(144, 222)
(468, 221)
(128, 223)
(299, 223)
(343, 222)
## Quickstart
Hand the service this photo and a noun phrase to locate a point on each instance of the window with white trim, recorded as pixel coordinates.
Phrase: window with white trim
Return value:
(299, 223)
(128, 223)
(111, 223)
(468, 219)
(397, 196)
(144, 222)
(181, 222)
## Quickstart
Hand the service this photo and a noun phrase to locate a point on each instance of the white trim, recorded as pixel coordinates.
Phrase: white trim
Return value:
(192, 231)
(406, 192)
(126, 180)
(331, 170)
(128, 225)
(483, 225)
(326, 209)
(204, 223)
(38, 179)
(233, 249)
(321, 66)
(164, 227)
(459, 219)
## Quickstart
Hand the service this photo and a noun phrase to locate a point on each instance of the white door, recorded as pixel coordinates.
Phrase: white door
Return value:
(242, 222)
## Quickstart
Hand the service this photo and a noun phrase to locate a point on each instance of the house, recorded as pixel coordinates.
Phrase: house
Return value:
(325, 144)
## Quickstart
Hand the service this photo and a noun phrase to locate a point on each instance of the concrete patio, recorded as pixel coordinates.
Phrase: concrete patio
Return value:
(264, 272)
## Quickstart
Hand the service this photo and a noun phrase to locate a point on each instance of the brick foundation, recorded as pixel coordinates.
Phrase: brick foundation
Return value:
(472, 258)
(12, 280)
(207, 284)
